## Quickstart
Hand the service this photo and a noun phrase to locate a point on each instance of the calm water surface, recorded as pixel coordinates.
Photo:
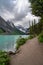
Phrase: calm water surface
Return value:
(8, 42)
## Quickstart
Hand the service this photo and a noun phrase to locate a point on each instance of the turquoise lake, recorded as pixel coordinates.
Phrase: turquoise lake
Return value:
(8, 42)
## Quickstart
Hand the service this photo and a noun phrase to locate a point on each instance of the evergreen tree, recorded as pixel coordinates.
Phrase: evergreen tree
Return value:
(29, 28)
(32, 27)
(37, 9)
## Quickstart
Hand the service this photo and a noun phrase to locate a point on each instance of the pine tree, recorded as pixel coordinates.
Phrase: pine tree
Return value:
(29, 28)
(35, 27)
(32, 27)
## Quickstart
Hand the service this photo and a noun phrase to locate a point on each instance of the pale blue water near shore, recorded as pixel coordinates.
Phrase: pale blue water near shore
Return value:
(8, 42)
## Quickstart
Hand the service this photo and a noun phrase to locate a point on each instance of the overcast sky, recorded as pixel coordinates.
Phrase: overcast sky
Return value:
(19, 11)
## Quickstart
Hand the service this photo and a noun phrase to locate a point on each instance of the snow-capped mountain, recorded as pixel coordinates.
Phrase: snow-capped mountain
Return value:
(9, 27)
(21, 28)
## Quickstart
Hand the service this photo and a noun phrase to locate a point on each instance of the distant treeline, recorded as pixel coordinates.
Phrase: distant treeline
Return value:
(35, 28)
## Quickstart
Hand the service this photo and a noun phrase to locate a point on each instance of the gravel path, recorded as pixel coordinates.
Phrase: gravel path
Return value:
(30, 53)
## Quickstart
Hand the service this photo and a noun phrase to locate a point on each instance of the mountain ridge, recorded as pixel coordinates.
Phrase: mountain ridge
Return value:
(9, 27)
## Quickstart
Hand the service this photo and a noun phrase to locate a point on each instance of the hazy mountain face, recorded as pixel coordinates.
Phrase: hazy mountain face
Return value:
(19, 11)
(9, 28)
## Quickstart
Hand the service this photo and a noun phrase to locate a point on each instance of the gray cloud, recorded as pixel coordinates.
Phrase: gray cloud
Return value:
(18, 11)
(18, 8)
(7, 4)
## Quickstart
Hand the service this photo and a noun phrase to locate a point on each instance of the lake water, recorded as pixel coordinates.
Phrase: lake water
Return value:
(8, 42)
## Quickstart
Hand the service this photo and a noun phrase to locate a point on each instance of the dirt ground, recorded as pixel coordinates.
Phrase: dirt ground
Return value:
(30, 53)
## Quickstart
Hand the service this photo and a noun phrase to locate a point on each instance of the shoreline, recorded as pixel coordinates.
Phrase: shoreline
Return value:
(30, 54)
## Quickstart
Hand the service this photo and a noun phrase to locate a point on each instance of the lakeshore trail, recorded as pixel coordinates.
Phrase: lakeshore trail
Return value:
(30, 53)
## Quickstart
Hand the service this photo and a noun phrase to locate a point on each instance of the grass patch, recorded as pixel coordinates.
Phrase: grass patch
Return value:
(40, 37)
(4, 58)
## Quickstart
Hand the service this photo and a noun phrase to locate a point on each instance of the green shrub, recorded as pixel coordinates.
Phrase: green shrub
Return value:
(4, 58)
(20, 42)
(40, 38)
